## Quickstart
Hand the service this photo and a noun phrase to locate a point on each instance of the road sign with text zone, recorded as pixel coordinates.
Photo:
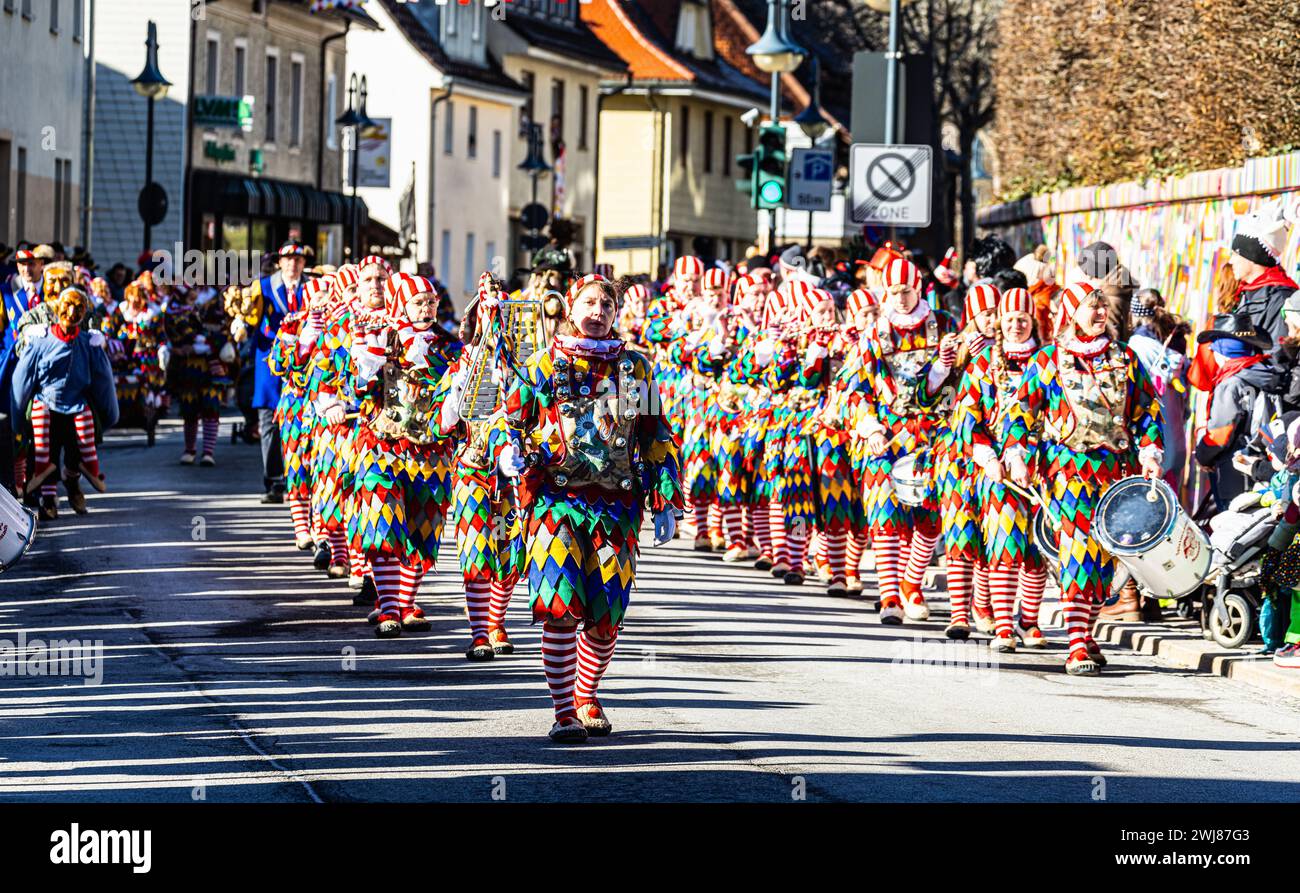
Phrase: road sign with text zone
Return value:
(889, 185)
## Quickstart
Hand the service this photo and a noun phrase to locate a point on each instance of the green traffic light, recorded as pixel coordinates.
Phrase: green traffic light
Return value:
(771, 192)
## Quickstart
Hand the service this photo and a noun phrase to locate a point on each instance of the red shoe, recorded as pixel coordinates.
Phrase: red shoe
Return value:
(479, 650)
(499, 641)
(388, 626)
(1081, 663)
(593, 719)
(414, 621)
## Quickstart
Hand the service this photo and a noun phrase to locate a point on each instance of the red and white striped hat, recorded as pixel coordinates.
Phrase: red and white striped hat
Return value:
(859, 300)
(715, 278)
(980, 298)
(901, 271)
(1016, 300)
(317, 285)
(579, 284)
(637, 292)
(798, 296)
(344, 278)
(688, 266)
(375, 259)
(400, 288)
(1072, 299)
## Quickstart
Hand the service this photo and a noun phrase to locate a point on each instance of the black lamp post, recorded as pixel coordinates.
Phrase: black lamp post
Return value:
(356, 120)
(151, 84)
(534, 165)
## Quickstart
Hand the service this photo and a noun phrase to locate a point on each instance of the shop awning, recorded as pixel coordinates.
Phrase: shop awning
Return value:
(264, 197)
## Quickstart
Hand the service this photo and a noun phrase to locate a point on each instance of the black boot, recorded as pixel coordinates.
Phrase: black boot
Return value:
(366, 595)
(76, 498)
(321, 560)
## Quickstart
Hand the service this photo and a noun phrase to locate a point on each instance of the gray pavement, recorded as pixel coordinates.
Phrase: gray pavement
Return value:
(234, 672)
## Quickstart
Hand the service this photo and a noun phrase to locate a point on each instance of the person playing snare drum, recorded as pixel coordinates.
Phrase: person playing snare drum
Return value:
(1090, 401)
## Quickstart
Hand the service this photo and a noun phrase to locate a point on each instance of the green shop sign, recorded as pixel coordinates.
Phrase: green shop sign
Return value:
(218, 151)
(230, 112)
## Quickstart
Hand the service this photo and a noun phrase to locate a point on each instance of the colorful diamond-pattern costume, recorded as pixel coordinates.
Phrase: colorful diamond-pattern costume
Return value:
(582, 540)
(294, 413)
(1079, 477)
(136, 369)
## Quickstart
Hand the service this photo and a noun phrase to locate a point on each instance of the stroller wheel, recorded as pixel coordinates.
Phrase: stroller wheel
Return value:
(1234, 631)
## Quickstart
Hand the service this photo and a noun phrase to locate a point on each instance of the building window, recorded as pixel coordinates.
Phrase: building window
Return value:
(726, 147)
(584, 102)
(272, 81)
(67, 200)
(708, 142)
(449, 128)
(471, 140)
(27, 11)
(446, 256)
(54, 21)
(684, 148)
(20, 195)
(471, 280)
(6, 149)
(526, 112)
(490, 261)
(295, 102)
(213, 59)
(331, 111)
(496, 154)
(77, 16)
(9, 6)
(557, 111)
(241, 59)
(58, 194)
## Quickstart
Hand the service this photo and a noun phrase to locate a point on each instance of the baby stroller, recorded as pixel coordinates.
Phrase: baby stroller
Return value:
(1233, 593)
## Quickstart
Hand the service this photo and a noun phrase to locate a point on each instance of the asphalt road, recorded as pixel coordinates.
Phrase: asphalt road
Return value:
(234, 672)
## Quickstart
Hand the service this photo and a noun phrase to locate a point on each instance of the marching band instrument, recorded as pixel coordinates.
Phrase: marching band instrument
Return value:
(1142, 524)
(17, 530)
(910, 482)
(517, 329)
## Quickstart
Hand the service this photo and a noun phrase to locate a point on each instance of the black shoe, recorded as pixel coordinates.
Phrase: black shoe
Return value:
(321, 560)
(366, 595)
(49, 508)
(273, 497)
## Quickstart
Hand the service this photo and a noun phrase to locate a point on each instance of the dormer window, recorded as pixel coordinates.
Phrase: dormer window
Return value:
(695, 29)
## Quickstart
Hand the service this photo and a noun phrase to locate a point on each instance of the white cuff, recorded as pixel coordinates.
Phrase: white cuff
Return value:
(97, 338)
(326, 403)
(938, 373)
(1151, 451)
(368, 365)
(814, 353)
(287, 338)
(984, 455)
(1016, 452)
(449, 417)
(764, 352)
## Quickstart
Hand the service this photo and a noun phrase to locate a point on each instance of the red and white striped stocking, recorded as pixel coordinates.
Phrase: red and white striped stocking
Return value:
(1077, 613)
(40, 435)
(733, 523)
(1032, 583)
(211, 429)
(300, 512)
(560, 660)
(410, 584)
(715, 520)
(388, 583)
(776, 528)
(887, 548)
(857, 547)
(761, 519)
(501, 592)
(360, 567)
(961, 573)
(85, 424)
(478, 595)
(594, 656)
(1002, 592)
(836, 542)
(982, 601)
(700, 510)
(338, 547)
(919, 555)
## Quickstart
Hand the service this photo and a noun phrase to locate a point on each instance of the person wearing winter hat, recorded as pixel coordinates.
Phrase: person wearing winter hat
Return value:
(1263, 286)
(1087, 412)
(591, 457)
(903, 402)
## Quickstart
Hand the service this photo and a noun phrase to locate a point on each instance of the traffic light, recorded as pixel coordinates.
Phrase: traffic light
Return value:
(770, 168)
(745, 182)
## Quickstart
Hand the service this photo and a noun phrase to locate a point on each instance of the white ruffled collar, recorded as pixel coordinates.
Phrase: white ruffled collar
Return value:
(907, 321)
(1021, 349)
(1090, 348)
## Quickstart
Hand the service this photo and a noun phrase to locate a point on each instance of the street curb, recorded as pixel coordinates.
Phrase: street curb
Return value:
(1180, 643)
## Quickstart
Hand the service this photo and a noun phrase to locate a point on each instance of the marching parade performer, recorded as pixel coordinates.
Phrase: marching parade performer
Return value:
(959, 510)
(489, 536)
(862, 308)
(137, 325)
(588, 440)
(63, 374)
(198, 372)
(987, 394)
(359, 305)
(258, 310)
(906, 369)
(403, 480)
(289, 361)
(1089, 400)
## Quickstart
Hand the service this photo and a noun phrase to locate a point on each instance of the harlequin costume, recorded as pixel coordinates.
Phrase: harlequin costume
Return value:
(586, 413)
(1014, 563)
(489, 535)
(137, 324)
(850, 383)
(333, 382)
(289, 360)
(403, 479)
(905, 371)
(1097, 416)
(198, 374)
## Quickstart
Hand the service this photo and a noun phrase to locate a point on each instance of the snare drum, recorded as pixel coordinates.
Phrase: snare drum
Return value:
(17, 530)
(1047, 540)
(1141, 523)
(910, 482)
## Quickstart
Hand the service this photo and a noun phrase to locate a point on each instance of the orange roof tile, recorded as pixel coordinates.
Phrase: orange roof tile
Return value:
(645, 61)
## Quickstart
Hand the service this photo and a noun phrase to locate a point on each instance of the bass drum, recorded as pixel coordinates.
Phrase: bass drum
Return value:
(17, 530)
(1143, 526)
(1047, 541)
(910, 482)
